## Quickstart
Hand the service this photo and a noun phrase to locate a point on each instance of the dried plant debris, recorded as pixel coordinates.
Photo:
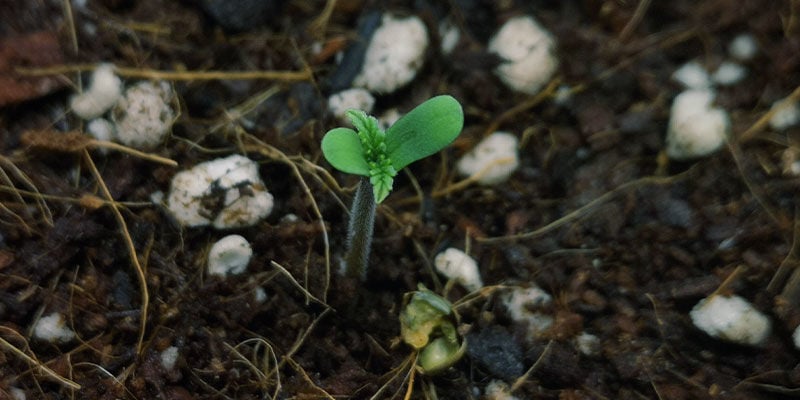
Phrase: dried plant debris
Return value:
(622, 195)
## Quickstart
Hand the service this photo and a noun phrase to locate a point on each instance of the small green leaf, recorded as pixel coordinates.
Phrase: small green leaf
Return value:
(342, 148)
(363, 122)
(381, 186)
(426, 129)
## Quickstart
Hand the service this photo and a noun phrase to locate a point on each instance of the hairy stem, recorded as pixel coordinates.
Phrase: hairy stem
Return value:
(359, 231)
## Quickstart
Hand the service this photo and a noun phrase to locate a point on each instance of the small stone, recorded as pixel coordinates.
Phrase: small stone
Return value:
(496, 350)
(241, 15)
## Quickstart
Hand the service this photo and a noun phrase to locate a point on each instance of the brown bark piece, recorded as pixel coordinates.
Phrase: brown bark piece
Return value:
(35, 49)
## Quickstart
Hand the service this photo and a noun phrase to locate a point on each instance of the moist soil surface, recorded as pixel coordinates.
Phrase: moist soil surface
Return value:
(625, 240)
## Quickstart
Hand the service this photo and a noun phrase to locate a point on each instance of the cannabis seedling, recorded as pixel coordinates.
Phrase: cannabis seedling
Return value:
(377, 156)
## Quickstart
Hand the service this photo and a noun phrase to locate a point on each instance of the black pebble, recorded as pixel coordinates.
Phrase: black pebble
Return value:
(496, 350)
(241, 15)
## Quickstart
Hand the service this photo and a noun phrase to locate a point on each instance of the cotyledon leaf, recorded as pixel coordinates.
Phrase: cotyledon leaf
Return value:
(342, 148)
(426, 129)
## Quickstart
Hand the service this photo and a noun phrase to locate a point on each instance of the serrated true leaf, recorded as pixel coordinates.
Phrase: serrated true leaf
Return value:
(342, 148)
(381, 186)
(426, 129)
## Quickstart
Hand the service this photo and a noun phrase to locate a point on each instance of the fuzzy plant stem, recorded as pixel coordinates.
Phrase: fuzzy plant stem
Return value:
(359, 231)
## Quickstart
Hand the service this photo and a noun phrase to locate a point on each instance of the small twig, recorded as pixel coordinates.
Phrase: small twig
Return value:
(319, 25)
(258, 370)
(464, 183)
(74, 142)
(136, 153)
(790, 262)
(411, 374)
(242, 109)
(272, 152)
(144, 73)
(546, 93)
(73, 35)
(729, 280)
(308, 379)
(130, 247)
(36, 363)
(637, 17)
(586, 209)
(392, 375)
(758, 126)
(86, 200)
(521, 380)
(736, 153)
(301, 339)
(295, 283)
(20, 175)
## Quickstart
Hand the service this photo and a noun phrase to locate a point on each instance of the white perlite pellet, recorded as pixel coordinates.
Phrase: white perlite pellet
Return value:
(226, 193)
(143, 116)
(743, 47)
(53, 328)
(101, 129)
(357, 98)
(459, 267)
(395, 54)
(450, 35)
(529, 53)
(588, 344)
(731, 318)
(696, 127)
(17, 393)
(499, 390)
(729, 73)
(787, 114)
(104, 91)
(796, 337)
(169, 357)
(692, 75)
(522, 302)
(229, 256)
(388, 118)
(495, 158)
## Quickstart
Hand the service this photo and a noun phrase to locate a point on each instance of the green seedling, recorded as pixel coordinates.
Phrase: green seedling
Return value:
(377, 156)
(428, 324)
